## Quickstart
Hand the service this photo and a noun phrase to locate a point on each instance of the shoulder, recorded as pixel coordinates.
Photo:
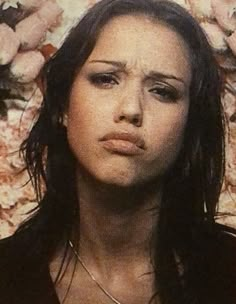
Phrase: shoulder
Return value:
(225, 253)
(24, 278)
(225, 244)
(215, 267)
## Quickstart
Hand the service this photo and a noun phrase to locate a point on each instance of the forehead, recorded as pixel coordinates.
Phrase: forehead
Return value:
(141, 41)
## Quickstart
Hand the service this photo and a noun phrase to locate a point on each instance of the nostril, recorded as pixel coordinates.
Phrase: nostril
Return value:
(136, 120)
(133, 119)
(121, 117)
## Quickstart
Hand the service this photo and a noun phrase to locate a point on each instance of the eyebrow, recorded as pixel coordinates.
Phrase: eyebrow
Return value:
(118, 64)
(151, 74)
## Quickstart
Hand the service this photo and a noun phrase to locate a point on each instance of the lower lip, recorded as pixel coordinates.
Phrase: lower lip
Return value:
(121, 147)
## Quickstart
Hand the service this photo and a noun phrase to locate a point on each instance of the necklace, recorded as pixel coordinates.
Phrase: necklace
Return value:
(106, 292)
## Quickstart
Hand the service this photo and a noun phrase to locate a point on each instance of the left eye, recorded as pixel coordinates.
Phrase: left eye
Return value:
(104, 80)
(164, 93)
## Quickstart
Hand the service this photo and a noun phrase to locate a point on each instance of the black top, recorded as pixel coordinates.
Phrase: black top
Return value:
(25, 277)
(24, 271)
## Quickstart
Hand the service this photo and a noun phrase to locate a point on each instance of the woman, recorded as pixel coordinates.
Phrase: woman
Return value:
(130, 146)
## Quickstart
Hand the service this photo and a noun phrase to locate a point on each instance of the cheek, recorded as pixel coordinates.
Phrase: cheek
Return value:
(81, 112)
(86, 109)
(167, 134)
(78, 126)
(80, 130)
(85, 123)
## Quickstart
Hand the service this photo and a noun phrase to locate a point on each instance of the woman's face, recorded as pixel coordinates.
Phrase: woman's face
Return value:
(129, 102)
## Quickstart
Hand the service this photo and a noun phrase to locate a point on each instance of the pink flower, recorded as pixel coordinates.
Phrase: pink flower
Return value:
(31, 31)
(215, 35)
(224, 11)
(231, 40)
(229, 100)
(50, 13)
(201, 8)
(27, 65)
(32, 4)
(9, 44)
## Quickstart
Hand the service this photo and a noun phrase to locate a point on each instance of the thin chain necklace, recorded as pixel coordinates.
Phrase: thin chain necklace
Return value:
(107, 293)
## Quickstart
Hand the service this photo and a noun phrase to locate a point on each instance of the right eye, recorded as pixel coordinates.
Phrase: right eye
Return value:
(104, 80)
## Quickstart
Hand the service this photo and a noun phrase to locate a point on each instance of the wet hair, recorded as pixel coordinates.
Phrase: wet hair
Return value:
(193, 183)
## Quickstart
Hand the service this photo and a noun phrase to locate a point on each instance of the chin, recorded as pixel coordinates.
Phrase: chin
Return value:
(120, 173)
(119, 179)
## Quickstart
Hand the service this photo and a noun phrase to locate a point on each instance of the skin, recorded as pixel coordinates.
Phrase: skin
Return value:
(135, 81)
(106, 98)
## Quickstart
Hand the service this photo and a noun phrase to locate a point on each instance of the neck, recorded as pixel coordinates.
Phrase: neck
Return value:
(116, 224)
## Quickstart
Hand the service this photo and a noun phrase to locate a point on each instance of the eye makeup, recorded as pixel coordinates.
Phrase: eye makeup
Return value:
(103, 80)
(165, 93)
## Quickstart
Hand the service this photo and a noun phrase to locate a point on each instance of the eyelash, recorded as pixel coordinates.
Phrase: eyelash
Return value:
(108, 80)
(165, 93)
(105, 80)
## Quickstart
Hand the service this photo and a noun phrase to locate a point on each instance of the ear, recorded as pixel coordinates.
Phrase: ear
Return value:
(65, 120)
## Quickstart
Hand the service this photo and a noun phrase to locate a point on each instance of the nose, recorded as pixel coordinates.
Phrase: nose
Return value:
(129, 108)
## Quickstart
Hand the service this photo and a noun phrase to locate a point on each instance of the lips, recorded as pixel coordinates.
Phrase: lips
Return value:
(123, 143)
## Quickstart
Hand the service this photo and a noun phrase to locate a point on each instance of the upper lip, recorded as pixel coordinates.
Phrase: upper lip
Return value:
(127, 136)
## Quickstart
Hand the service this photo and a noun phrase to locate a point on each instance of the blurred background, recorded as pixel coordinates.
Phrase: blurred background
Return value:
(30, 32)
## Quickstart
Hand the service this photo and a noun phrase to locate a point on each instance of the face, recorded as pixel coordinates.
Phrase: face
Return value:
(129, 103)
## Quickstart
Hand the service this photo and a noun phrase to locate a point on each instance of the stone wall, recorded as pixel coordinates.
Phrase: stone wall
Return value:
(30, 31)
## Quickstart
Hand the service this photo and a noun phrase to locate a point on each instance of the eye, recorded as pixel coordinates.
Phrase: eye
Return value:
(104, 80)
(165, 93)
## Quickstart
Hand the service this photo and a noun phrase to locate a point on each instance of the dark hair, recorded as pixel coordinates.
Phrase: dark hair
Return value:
(194, 182)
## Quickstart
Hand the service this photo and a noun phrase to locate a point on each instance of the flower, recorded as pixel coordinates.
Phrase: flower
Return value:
(224, 11)
(215, 35)
(10, 3)
(9, 44)
(31, 31)
(201, 8)
(26, 66)
(231, 40)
